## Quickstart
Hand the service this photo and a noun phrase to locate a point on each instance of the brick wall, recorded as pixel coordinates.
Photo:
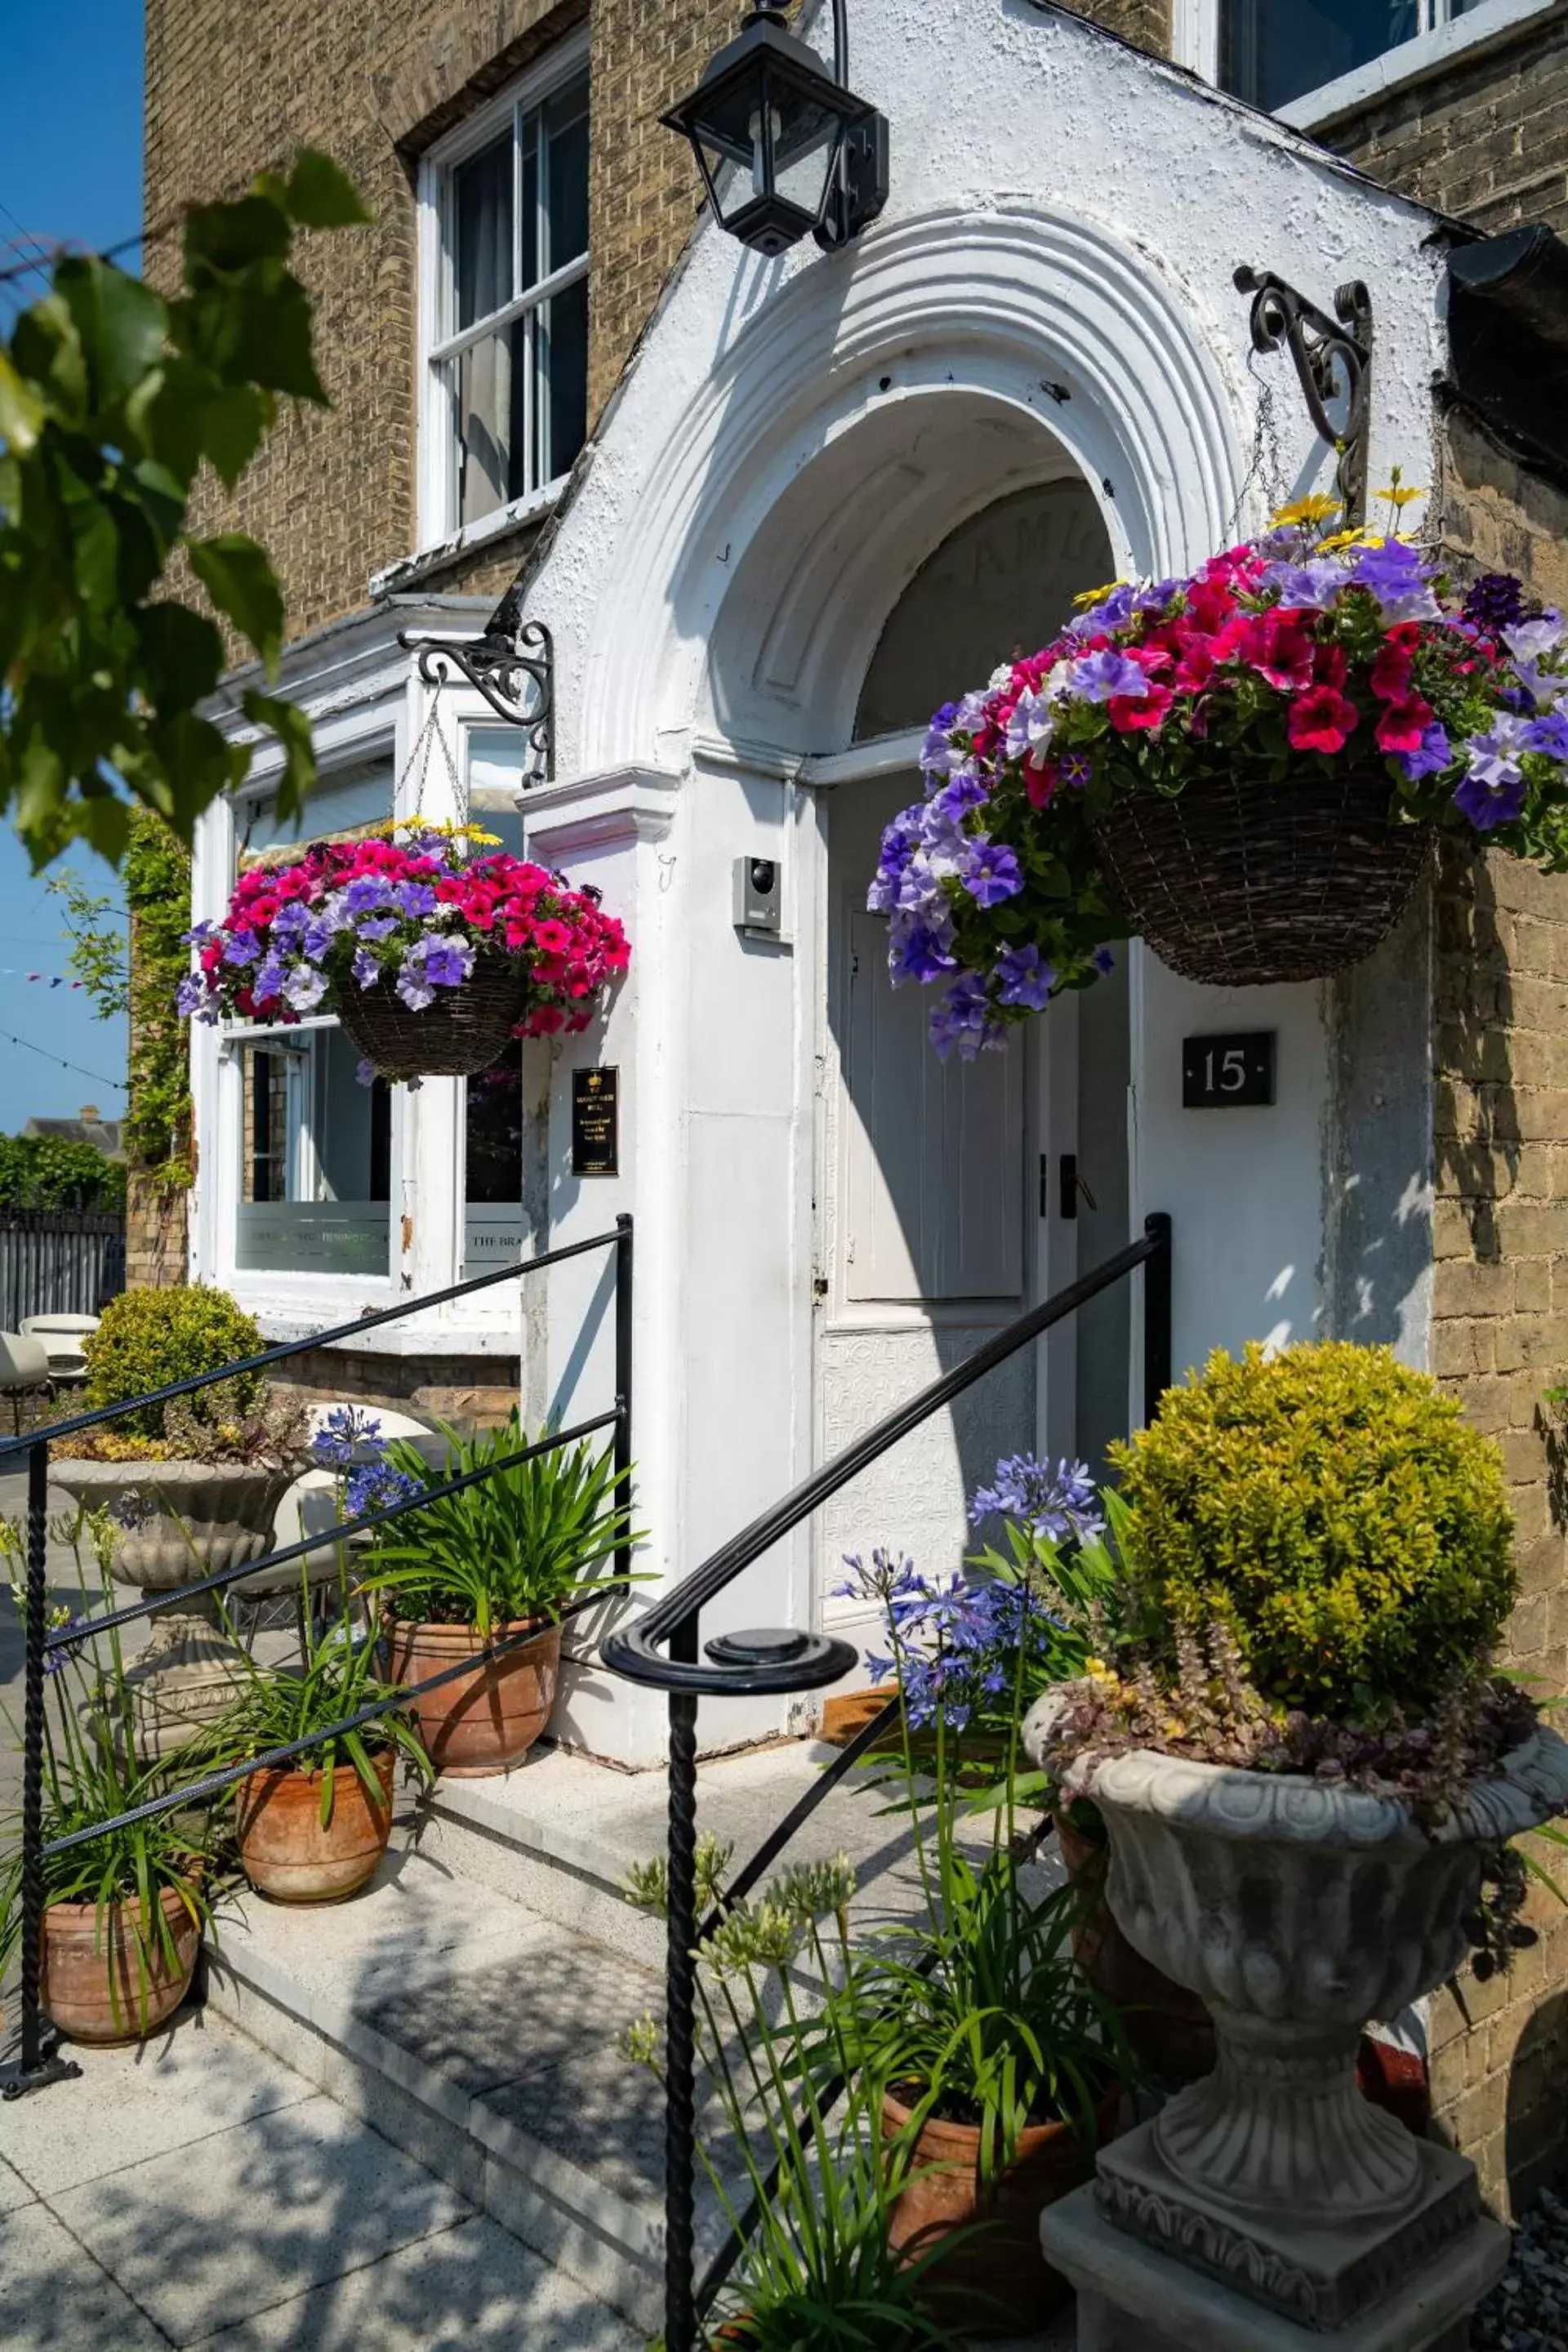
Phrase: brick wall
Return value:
(1485, 138)
(1500, 1306)
(155, 1234)
(470, 1392)
(235, 86)
(1145, 22)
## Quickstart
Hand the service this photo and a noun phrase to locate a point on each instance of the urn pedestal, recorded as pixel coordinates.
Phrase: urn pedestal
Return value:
(1297, 1911)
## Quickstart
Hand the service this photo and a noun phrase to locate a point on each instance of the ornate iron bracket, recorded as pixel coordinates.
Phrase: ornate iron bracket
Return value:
(1333, 360)
(514, 668)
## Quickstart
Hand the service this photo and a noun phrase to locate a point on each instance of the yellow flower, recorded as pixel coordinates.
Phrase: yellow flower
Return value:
(1316, 508)
(1343, 538)
(1398, 495)
(1172, 1728)
(1081, 603)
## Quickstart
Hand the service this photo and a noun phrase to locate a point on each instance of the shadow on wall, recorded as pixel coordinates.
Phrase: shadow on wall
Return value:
(1537, 2100)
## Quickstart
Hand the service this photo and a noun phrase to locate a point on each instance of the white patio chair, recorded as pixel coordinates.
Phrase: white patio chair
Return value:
(61, 1338)
(24, 1372)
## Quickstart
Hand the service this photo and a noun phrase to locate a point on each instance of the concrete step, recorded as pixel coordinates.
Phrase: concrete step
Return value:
(470, 2005)
(561, 1835)
(485, 2042)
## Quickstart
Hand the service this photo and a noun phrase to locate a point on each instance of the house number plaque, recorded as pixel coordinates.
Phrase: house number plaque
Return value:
(595, 1122)
(1228, 1072)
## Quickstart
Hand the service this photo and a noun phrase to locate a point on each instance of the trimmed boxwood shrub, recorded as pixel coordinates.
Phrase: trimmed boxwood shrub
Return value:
(1333, 1508)
(150, 1338)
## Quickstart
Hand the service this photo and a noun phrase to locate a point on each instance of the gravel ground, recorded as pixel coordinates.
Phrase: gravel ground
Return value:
(1528, 2309)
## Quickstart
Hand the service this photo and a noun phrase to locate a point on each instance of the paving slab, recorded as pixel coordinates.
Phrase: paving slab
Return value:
(55, 2298)
(204, 2236)
(184, 2085)
(472, 2288)
(14, 2190)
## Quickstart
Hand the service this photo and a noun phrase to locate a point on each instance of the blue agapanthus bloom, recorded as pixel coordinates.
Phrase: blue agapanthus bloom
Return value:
(1058, 1503)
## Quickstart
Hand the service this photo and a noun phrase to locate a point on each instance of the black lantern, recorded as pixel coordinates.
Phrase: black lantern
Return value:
(782, 145)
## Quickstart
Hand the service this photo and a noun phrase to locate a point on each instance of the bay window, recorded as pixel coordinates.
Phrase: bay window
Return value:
(506, 299)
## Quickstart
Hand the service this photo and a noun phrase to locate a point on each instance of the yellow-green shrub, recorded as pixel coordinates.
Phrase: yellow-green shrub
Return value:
(1331, 1507)
(149, 1338)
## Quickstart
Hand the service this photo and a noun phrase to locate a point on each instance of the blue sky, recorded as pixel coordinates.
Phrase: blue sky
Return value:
(70, 166)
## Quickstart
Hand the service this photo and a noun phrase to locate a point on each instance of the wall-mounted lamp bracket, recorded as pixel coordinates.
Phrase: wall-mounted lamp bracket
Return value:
(514, 669)
(1332, 358)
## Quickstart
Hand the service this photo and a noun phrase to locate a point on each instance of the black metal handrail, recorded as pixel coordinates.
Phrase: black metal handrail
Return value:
(661, 1650)
(41, 2064)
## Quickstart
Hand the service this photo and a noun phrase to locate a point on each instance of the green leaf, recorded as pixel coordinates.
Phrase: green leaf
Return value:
(22, 411)
(238, 577)
(292, 729)
(320, 196)
(182, 654)
(231, 424)
(119, 321)
(227, 237)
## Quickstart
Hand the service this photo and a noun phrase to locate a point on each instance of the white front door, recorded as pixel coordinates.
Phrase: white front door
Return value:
(926, 1229)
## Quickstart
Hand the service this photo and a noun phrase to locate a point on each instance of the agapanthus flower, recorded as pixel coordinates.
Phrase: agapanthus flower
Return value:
(1058, 1503)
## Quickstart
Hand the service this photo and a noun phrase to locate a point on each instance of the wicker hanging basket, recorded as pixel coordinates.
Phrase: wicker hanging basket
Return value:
(1237, 881)
(460, 1032)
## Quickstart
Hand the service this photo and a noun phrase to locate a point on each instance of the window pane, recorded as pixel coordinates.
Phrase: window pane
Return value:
(494, 1228)
(565, 136)
(492, 421)
(1274, 51)
(344, 799)
(316, 1164)
(529, 274)
(482, 223)
(561, 408)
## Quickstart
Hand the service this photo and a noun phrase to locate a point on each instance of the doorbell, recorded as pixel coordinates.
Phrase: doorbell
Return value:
(759, 896)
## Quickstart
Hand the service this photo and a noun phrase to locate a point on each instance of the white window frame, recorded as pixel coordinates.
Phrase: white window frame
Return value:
(350, 750)
(437, 438)
(1195, 41)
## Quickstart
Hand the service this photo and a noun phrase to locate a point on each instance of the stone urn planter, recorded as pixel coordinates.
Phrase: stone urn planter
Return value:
(1297, 1911)
(286, 1852)
(197, 1517)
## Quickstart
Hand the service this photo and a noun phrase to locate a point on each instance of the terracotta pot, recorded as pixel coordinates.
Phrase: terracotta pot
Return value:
(91, 1982)
(485, 1721)
(1171, 2032)
(285, 1852)
(996, 2279)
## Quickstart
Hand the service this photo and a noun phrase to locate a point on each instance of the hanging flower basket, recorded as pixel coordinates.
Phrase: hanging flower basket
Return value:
(431, 956)
(1237, 881)
(1245, 767)
(459, 1033)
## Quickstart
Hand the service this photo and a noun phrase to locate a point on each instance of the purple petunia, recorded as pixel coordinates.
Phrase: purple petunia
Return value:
(964, 1018)
(1495, 602)
(1433, 752)
(304, 989)
(366, 970)
(994, 874)
(1075, 768)
(243, 948)
(1493, 788)
(189, 995)
(1024, 977)
(1400, 579)
(924, 952)
(1549, 735)
(1097, 677)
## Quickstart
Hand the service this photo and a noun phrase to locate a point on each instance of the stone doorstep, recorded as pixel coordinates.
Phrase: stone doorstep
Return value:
(1134, 2298)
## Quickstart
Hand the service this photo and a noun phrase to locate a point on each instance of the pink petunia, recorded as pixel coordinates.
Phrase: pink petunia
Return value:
(1321, 721)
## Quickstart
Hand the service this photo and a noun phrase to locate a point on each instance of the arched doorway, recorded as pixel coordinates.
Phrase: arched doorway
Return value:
(946, 1191)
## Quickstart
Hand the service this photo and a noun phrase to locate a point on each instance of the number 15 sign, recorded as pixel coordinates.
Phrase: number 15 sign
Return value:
(1228, 1073)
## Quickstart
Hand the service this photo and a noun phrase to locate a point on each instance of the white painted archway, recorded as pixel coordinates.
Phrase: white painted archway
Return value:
(792, 498)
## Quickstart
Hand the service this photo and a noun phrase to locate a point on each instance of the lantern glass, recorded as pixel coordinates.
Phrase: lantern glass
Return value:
(768, 126)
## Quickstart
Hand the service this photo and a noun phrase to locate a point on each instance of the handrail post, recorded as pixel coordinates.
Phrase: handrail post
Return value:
(681, 2012)
(39, 2065)
(623, 1444)
(1156, 1314)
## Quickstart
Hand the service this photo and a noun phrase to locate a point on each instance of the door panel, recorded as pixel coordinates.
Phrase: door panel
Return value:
(921, 1229)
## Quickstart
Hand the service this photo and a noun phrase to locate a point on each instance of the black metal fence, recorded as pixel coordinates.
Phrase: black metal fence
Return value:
(662, 1651)
(40, 2060)
(59, 1262)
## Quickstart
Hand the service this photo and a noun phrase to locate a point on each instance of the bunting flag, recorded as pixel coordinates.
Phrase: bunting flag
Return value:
(14, 971)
